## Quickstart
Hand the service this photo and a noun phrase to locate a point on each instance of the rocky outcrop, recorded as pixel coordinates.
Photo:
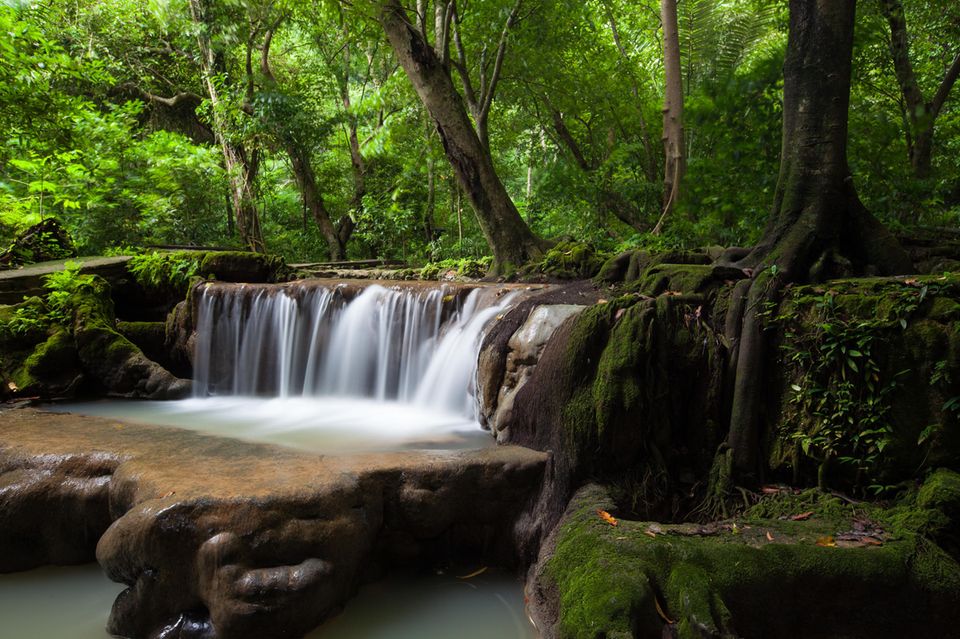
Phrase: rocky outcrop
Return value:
(500, 387)
(221, 538)
(807, 565)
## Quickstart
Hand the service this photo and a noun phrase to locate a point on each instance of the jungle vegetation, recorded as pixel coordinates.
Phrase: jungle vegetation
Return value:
(423, 131)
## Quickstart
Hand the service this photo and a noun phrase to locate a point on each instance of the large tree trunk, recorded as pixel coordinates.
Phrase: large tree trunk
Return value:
(675, 165)
(509, 237)
(921, 115)
(818, 227)
(241, 167)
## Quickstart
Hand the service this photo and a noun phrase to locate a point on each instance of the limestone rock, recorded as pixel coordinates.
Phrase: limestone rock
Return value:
(221, 538)
(525, 347)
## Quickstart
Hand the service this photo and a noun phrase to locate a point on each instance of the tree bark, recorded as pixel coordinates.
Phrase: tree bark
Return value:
(921, 113)
(512, 242)
(313, 200)
(241, 167)
(818, 228)
(675, 165)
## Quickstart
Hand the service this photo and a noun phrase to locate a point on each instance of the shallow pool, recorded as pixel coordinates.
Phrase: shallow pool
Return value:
(316, 424)
(74, 602)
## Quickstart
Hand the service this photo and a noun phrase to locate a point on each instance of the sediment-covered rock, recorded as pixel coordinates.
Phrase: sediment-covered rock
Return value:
(221, 538)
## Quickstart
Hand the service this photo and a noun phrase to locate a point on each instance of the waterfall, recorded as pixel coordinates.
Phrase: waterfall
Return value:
(410, 344)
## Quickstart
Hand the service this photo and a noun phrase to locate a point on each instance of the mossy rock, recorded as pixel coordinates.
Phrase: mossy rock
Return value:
(52, 369)
(568, 260)
(241, 266)
(909, 327)
(737, 578)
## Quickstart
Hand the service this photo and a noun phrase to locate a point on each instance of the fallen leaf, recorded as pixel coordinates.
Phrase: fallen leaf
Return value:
(770, 490)
(802, 516)
(12, 387)
(826, 542)
(650, 533)
(619, 314)
(912, 281)
(478, 571)
(169, 494)
(769, 536)
(602, 300)
(607, 517)
(672, 293)
(663, 615)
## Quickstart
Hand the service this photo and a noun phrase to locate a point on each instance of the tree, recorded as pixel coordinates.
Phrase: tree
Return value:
(818, 227)
(241, 162)
(508, 235)
(920, 113)
(674, 166)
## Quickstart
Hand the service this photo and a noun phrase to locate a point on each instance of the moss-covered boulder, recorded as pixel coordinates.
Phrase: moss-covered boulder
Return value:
(111, 359)
(567, 260)
(242, 266)
(832, 571)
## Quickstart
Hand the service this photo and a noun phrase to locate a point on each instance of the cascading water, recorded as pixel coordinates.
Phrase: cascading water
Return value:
(412, 345)
(333, 368)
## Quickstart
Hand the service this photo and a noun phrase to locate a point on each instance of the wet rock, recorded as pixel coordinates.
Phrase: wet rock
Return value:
(524, 349)
(222, 538)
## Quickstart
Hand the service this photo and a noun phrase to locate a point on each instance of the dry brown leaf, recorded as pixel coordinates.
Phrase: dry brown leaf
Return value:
(770, 490)
(663, 615)
(672, 293)
(912, 281)
(478, 571)
(12, 386)
(769, 536)
(650, 533)
(619, 313)
(607, 517)
(826, 542)
(802, 516)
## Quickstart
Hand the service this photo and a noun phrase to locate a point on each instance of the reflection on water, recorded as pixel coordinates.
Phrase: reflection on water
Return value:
(56, 603)
(317, 424)
(73, 603)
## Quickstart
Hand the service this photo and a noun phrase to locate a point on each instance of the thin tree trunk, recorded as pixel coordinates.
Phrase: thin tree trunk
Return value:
(673, 144)
(921, 113)
(240, 166)
(512, 242)
(313, 200)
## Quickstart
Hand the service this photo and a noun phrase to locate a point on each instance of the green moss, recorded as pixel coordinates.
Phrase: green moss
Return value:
(50, 368)
(569, 260)
(725, 582)
(242, 266)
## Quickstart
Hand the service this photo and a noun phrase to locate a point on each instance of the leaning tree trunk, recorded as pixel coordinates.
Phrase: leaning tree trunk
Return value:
(509, 237)
(313, 200)
(818, 227)
(675, 165)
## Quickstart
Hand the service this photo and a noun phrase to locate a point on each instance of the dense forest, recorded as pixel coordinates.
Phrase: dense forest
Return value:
(308, 130)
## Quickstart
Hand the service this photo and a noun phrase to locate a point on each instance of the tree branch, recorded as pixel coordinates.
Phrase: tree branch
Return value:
(945, 85)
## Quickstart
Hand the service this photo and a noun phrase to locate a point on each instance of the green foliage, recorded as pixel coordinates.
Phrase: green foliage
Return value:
(165, 271)
(456, 268)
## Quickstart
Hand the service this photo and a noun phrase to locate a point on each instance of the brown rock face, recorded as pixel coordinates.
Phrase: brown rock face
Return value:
(221, 538)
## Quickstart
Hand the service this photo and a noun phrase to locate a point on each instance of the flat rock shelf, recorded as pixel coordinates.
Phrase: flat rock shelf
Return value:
(216, 537)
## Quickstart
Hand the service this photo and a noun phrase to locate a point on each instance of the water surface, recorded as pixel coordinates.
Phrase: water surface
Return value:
(328, 425)
(74, 603)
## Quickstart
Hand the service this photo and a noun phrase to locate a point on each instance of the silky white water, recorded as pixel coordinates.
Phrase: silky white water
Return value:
(331, 369)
